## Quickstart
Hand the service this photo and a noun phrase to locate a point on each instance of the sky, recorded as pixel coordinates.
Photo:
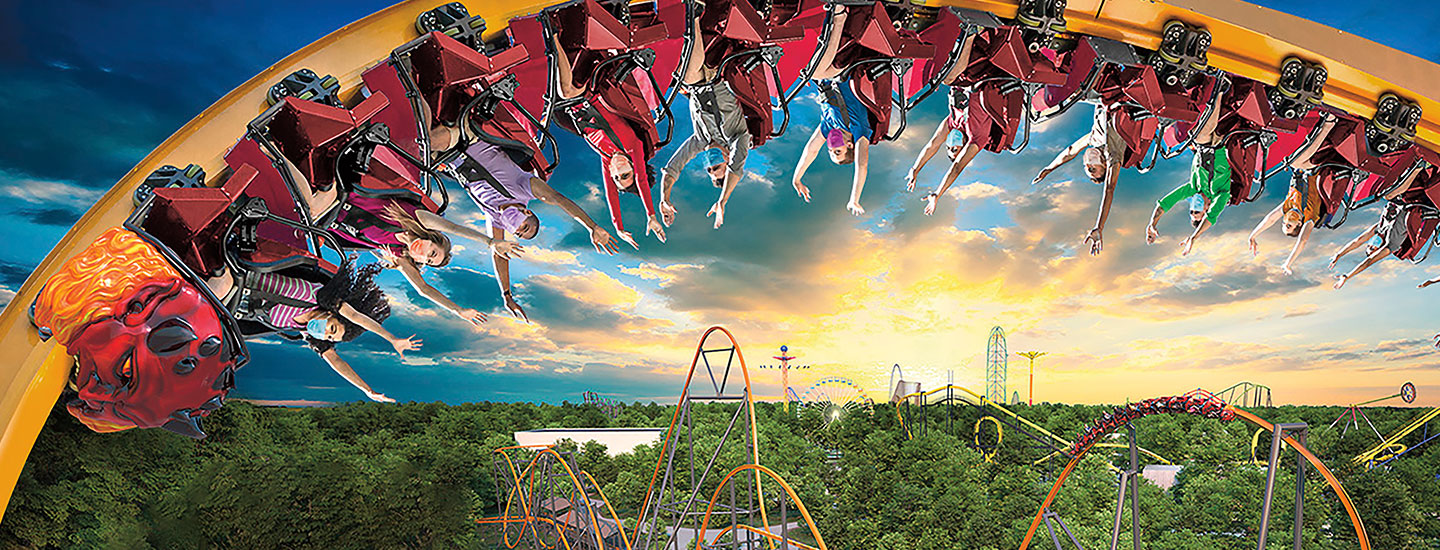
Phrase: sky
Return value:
(83, 101)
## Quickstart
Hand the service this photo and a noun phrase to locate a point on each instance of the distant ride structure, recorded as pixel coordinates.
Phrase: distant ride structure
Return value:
(997, 362)
(1391, 447)
(836, 397)
(608, 405)
(1246, 394)
(1031, 355)
(784, 358)
(547, 499)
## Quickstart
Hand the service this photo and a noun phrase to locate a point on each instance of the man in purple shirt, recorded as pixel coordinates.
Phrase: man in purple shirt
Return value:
(503, 191)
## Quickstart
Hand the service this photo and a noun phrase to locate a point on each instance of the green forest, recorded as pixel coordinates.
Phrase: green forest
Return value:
(419, 475)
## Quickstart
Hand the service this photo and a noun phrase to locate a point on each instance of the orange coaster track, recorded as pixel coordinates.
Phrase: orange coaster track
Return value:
(558, 505)
(1247, 416)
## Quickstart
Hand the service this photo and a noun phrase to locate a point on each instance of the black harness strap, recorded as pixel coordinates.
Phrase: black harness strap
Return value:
(470, 170)
(357, 219)
(255, 304)
(831, 90)
(710, 105)
(588, 117)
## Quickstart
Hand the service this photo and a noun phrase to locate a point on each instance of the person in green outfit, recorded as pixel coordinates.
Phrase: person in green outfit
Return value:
(1208, 188)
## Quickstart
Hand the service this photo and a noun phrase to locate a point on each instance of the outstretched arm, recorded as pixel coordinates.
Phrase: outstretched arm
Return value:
(732, 179)
(1300, 241)
(1151, 232)
(343, 369)
(1165, 203)
(1377, 255)
(1354, 244)
(931, 147)
(862, 167)
(807, 156)
(954, 172)
(1428, 282)
(1189, 242)
(400, 344)
(497, 244)
(502, 276)
(1212, 215)
(1065, 156)
(417, 280)
(1095, 238)
(601, 238)
(1264, 224)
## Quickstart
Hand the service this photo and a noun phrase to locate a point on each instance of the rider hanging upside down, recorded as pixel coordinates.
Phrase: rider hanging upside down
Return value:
(1208, 188)
(503, 191)
(1104, 148)
(1404, 228)
(952, 133)
(720, 133)
(407, 237)
(987, 102)
(624, 152)
(338, 311)
(1315, 193)
(844, 129)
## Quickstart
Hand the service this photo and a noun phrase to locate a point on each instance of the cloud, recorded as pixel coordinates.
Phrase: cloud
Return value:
(550, 257)
(975, 191)
(1300, 310)
(46, 192)
(655, 272)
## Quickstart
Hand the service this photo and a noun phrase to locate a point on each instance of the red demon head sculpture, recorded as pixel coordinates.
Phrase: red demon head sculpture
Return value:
(150, 349)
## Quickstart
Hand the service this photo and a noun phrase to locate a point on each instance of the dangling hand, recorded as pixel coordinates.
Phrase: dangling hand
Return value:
(667, 212)
(1094, 238)
(1151, 234)
(475, 317)
(719, 212)
(1041, 176)
(801, 190)
(930, 203)
(386, 257)
(402, 345)
(514, 307)
(1254, 248)
(379, 397)
(652, 225)
(506, 249)
(1340, 280)
(603, 242)
(910, 180)
(855, 208)
(627, 237)
(1186, 245)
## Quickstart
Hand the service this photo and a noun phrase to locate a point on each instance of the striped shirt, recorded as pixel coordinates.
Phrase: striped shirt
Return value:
(281, 315)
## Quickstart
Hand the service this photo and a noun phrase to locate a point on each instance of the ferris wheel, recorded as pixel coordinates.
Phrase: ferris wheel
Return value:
(835, 397)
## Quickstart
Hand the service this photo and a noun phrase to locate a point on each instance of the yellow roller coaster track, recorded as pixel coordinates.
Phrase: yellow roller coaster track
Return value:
(981, 400)
(1247, 40)
(1391, 446)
